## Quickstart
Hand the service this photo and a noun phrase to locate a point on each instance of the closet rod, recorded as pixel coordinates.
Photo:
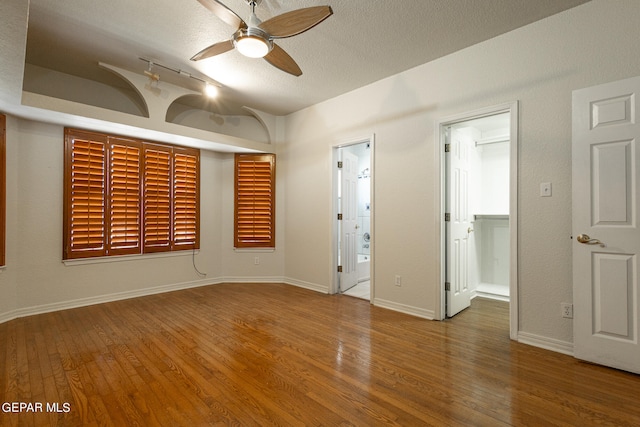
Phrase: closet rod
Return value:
(493, 140)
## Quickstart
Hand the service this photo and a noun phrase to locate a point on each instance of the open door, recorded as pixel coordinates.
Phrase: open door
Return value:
(458, 224)
(490, 125)
(349, 222)
(606, 249)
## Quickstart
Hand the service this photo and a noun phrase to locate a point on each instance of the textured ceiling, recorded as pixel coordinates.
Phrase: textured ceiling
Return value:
(362, 42)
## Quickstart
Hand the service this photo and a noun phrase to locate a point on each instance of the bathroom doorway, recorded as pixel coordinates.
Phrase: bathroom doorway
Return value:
(353, 224)
(478, 202)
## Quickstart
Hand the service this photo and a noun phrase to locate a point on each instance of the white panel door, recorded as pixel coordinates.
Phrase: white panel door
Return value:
(606, 235)
(349, 223)
(459, 225)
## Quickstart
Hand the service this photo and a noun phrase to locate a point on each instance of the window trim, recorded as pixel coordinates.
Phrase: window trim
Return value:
(138, 172)
(266, 197)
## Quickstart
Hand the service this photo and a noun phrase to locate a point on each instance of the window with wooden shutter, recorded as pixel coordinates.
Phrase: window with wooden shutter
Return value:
(85, 195)
(254, 201)
(125, 196)
(157, 198)
(186, 195)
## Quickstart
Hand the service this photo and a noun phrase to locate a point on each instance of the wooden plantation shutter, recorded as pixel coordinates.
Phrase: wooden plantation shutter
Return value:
(124, 197)
(254, 201)
(186, 194)
(85, 189)
(157, 198)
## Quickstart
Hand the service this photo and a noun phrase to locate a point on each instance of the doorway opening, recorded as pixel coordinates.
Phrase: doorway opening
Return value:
(353, 219)
(478, 153)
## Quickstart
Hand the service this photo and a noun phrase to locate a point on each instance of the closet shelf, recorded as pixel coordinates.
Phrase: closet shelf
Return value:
(489, 216)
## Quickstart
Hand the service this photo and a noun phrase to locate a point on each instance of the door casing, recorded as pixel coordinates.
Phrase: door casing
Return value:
(335, 277)
(440, 137)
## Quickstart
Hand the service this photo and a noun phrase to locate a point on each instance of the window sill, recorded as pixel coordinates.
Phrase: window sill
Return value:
(118, 258)
(249, 250)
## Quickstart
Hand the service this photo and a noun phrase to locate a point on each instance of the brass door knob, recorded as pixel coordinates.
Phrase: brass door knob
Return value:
(584, 238)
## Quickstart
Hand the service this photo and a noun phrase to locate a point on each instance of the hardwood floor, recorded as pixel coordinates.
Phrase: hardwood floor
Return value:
(270, 354)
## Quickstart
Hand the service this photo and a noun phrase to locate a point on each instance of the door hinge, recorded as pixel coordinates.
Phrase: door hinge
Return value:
(339, 269)
(447, 148)
(447, 217)
(339, 164)
(339, 217)
(447, 286)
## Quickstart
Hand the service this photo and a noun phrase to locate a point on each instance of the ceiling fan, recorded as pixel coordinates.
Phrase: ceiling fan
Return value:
(255, 38)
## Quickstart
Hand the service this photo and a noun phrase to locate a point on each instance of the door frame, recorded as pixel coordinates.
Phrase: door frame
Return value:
(335, 182)
(440, 137)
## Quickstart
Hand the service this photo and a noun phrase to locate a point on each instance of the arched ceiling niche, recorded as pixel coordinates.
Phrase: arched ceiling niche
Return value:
(217, 115)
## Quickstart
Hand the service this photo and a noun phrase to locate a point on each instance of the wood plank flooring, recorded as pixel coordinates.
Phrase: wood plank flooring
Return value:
(272, 354)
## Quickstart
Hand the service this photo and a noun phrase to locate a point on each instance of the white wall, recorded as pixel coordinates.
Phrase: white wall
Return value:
(35, 272)
(35, 278)
(9, 274)
(539, 66)
(492, 246)
(494, 179)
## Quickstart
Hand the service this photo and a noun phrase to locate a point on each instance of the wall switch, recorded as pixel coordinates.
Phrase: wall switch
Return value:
(545, 189)
(567, 310)
(256, 261)
(398, 280)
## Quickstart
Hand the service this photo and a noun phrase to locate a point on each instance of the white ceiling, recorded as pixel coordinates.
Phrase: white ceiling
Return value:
(362, 42)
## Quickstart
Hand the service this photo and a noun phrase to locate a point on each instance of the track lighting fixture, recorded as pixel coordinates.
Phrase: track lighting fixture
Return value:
(210, 89)
(153, 77)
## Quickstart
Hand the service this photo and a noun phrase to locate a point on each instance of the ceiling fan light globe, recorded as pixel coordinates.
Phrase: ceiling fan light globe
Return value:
(252, 42)
(253, 47)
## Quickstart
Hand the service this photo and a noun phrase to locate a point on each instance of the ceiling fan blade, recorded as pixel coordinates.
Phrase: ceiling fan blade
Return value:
(281, 59)
(224, 13)
(295, 22)
(213, 50)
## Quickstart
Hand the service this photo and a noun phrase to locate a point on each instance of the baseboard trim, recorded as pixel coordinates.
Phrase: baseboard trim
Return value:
(252, 279)
(563, 347)
(100, 299)
(489, 295)
(307, 285)
(276, 279)
(83, 302)
(403, 308)
(9, 315)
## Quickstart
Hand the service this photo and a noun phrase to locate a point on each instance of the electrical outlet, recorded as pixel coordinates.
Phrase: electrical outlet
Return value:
(256, 260)
(398, 280)
(567, 310)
